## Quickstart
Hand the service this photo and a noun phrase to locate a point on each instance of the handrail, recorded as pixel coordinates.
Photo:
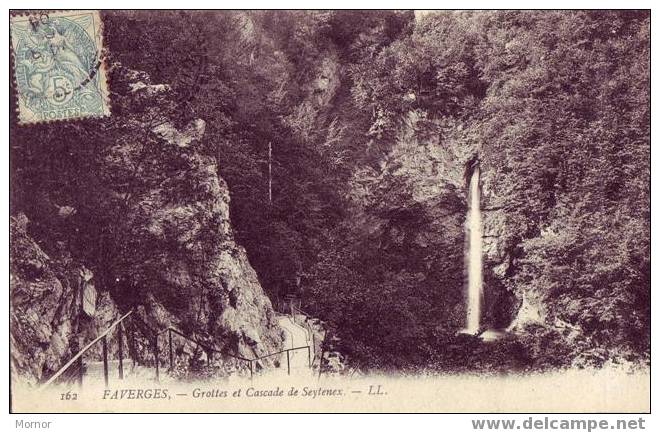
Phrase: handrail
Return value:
(292, 317)
(314, 342)
(304, 313)
(281, 351)
(308, 329)
(207, 348)
(204, 346)
(307, 316)
(83, 350)
(249, 361)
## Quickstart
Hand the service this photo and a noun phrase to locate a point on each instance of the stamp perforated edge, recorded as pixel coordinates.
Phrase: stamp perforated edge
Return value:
(102, 67)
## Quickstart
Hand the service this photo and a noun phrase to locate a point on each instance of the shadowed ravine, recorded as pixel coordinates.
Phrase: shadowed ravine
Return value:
(418, 183)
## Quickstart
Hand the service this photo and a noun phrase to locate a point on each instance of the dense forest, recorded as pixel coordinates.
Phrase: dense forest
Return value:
(372, 118)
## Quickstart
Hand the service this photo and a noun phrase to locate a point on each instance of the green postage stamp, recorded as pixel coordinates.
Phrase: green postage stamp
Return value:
(58, 70)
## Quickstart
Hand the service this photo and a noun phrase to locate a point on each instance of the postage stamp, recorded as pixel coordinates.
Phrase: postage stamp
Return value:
(58, 68)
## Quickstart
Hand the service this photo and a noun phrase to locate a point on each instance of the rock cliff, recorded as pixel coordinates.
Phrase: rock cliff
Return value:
(424, 174)
(46, 297)
(162, 245)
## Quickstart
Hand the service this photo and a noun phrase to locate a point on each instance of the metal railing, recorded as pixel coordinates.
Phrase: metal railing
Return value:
(209, 350)
(288, 356)
(308, 328)
(69, 370)
(74, 369)
(251, 363)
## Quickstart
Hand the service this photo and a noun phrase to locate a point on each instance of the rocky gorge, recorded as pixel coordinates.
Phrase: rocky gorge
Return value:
(326, 157)
(175, 264)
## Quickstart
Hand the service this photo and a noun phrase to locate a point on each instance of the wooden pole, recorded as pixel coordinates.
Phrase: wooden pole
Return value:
(171, 352)
(80, 371)
(270, 173)
(104, 343)
(156, 357)
(309, 357)
(288, 364)
(313, 343)
(120, 341)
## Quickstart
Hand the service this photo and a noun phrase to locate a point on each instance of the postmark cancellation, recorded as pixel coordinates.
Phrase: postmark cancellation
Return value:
(58, 68)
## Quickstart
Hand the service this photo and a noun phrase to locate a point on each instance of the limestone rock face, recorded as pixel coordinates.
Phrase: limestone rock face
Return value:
(502, 304)
(424, 176)
(47, 320)
(415, 201)
(318, 93)
(172, 258)
(326, 80)
(182, 267)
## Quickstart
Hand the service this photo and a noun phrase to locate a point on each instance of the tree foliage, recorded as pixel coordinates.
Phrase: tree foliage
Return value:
(557, 104)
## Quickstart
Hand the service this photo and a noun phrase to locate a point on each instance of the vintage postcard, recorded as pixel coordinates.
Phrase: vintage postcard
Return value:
(330, 211)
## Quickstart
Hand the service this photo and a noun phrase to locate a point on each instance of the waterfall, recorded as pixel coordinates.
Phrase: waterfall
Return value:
(474, 267)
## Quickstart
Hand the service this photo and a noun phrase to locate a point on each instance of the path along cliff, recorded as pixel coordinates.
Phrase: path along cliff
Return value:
(142, 224)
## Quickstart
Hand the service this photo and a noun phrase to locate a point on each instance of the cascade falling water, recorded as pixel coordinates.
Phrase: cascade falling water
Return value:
(474, 266)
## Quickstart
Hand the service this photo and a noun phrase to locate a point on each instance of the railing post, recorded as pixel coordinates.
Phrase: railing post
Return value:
(120, 335)
(288, 364)
(313, 345)
(156, 357)
(80, 371)
(104, 344)
(171, 352)
(320, 361)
